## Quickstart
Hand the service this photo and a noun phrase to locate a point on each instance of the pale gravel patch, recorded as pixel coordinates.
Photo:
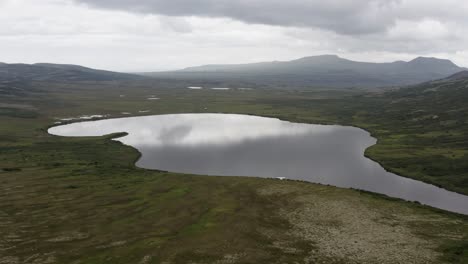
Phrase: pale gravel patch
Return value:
(345, 228)
(285, 245)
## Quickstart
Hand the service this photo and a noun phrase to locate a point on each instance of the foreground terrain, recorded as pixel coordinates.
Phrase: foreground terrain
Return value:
(81, 200)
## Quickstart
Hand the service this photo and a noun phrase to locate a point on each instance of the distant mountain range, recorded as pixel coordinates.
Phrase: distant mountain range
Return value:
(326, 71)
(321, 71)
(58, 72)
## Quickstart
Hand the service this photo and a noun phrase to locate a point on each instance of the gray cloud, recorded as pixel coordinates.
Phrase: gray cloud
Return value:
(348, 17)
(145, 35)
(345, 17)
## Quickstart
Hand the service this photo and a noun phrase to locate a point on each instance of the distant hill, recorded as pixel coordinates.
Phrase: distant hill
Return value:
(452, 92)
(459, 75)
(58, 72)
(321, 71)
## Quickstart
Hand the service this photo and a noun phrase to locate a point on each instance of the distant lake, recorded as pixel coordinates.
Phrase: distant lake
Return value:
(242, 145)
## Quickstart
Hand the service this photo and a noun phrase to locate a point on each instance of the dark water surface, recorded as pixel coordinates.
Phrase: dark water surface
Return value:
(241, 145)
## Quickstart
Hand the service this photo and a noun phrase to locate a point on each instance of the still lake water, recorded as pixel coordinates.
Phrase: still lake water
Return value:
(241, 145)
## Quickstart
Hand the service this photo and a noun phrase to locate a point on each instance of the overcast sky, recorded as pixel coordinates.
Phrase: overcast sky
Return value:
(147, 35)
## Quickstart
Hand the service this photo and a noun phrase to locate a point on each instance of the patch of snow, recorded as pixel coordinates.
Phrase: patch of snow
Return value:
(221, 88)
(91, 116)
(84, 117)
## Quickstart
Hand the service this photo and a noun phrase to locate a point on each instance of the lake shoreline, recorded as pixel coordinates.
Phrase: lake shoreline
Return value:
(275, 118)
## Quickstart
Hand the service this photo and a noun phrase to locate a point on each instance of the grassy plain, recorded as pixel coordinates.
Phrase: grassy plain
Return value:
(82, 200)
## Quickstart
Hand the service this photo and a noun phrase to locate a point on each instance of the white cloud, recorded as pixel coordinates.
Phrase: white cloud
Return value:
(426, 29)
(181, 34)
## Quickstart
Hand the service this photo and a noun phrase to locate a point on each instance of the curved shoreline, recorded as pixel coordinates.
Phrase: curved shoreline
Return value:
(364, 154)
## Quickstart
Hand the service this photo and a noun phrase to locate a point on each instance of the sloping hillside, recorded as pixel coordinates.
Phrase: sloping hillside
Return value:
(58, 72)
(422, 130)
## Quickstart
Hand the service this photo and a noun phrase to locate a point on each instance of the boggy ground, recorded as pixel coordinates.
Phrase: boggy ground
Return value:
(81, 200)
(86, 203)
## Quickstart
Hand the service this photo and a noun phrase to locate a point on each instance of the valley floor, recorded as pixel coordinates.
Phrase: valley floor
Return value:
(82, 200)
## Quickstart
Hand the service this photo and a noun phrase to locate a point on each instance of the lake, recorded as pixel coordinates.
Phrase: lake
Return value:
(242, 145)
